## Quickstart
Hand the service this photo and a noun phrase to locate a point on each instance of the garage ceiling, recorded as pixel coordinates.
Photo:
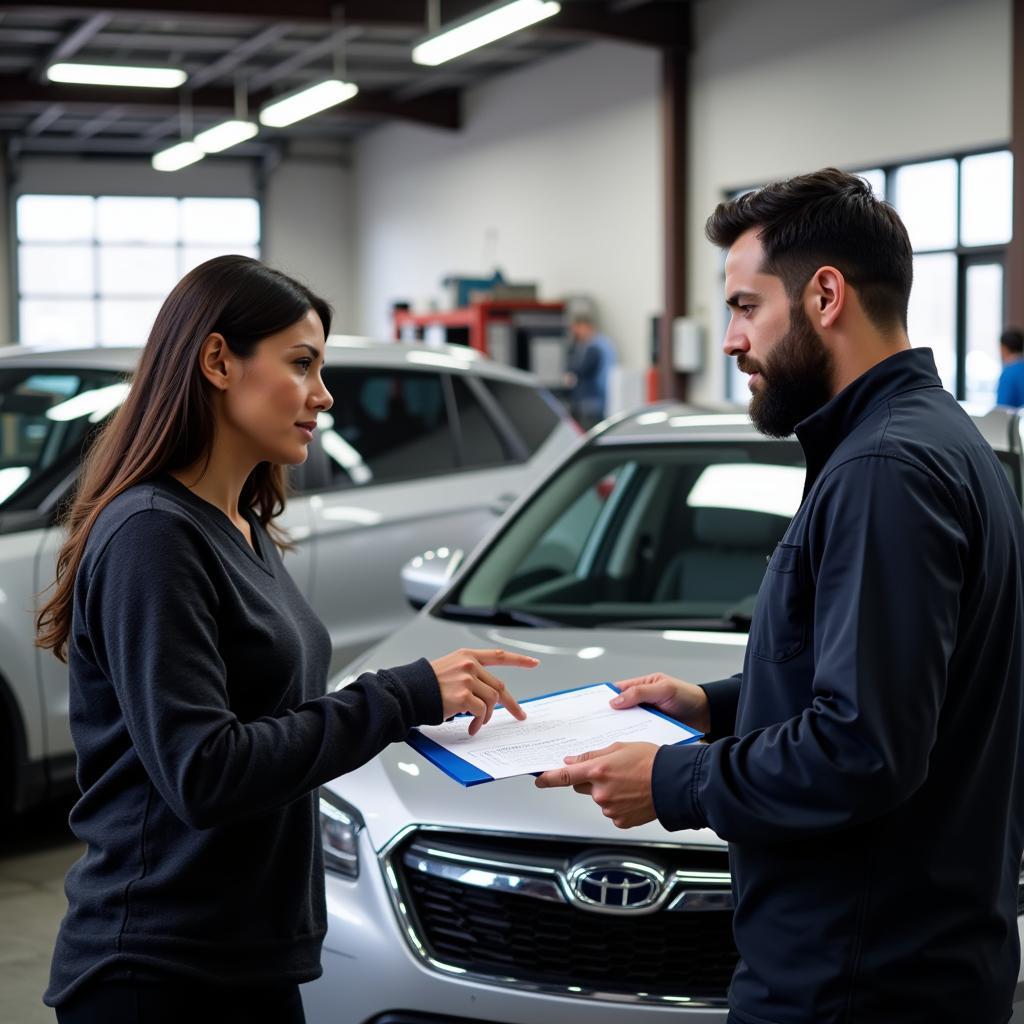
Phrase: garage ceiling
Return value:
(239, 48)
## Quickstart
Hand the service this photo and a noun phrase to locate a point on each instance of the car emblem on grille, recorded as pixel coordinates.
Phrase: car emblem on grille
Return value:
(615, 885)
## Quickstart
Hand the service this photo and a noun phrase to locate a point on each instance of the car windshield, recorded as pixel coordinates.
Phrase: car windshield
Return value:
(651, 537)
(46, 416)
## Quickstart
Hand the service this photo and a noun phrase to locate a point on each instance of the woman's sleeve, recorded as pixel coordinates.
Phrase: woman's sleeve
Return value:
(151, 607)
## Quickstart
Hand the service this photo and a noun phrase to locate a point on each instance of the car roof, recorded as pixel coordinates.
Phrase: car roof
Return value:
(676, 421)
(347, 350)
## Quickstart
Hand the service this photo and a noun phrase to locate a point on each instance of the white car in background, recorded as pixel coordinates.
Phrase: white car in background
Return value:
(504, 904)
(423, 446)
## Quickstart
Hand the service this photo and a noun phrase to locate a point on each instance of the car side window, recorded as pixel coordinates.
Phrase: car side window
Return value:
(481, 443)
(385, 425)
(533, 412)
(46, 418)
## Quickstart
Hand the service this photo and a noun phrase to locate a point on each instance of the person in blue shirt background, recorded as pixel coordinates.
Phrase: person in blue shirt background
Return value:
(590, 361)
(1010, 390)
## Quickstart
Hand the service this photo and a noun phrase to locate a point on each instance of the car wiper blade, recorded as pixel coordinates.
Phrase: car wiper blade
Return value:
(497, 616)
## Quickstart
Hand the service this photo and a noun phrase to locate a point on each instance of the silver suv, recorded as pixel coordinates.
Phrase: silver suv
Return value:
(423, 446)
(642, 551)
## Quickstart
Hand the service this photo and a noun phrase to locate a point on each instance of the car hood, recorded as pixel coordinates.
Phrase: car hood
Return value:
(401, 788)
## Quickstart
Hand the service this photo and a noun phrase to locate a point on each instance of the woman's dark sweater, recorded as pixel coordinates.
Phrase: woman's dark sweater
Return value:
(197, 677)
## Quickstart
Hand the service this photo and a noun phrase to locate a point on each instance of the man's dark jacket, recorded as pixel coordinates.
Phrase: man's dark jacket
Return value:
(868, 771)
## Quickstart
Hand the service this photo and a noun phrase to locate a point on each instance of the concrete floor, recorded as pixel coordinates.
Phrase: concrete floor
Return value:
(35, 852)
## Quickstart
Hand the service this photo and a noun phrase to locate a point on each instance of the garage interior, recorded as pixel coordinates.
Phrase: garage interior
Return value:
(566, 169)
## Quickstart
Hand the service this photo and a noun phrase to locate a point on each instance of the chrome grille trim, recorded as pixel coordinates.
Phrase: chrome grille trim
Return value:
(440, 858)
(545, 882)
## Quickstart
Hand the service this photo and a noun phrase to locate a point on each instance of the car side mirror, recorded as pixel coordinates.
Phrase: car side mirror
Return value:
(424, 575)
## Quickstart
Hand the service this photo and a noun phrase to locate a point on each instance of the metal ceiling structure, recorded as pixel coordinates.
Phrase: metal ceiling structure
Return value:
(238, 50)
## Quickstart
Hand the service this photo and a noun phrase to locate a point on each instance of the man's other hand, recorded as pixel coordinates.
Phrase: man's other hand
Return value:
(685, 702)
(617, 778)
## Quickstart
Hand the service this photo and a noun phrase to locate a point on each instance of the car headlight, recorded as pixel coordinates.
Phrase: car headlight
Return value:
(340, 825)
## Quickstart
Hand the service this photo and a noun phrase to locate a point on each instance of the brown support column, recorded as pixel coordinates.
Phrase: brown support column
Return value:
(674, 104)
(1015, 250)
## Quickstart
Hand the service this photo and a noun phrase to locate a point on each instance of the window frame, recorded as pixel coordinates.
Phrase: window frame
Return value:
(97, 296)
(965, 255)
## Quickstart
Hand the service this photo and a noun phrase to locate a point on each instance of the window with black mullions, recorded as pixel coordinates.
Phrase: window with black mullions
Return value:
(958, 213)
(385, 425)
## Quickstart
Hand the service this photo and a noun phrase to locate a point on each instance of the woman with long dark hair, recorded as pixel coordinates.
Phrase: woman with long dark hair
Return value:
(197, 673)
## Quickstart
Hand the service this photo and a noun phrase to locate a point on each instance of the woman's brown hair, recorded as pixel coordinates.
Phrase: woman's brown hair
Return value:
(167, 420)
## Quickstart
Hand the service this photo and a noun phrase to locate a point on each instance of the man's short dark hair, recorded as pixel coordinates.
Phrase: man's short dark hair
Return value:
(1012, 339)
(826, 218)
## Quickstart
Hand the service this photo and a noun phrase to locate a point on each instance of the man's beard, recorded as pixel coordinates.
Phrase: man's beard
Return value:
(796, 378)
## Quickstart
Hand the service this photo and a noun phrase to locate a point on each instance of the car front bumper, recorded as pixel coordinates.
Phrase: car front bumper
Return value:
(371, 974)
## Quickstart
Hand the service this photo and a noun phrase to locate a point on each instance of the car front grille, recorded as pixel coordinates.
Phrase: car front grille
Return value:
(503, 908)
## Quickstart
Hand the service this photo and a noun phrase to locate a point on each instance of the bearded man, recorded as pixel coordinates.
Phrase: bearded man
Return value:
(865, 765)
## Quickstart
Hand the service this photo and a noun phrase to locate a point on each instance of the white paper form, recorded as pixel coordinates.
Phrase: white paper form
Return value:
(563, 723)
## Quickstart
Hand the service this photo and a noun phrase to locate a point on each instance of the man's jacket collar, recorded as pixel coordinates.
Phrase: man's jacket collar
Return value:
(821, 432)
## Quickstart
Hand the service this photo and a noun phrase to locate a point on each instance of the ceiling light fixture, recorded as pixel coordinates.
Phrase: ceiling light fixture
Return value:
(177, 156)
(480, 29)
(309, 101)
(117, 74)
(225, 135)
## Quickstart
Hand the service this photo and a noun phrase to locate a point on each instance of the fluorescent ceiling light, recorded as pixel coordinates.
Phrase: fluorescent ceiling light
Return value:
(116, 74)
(306, 103)
(482, 29)
(223, 136)
(176, 157)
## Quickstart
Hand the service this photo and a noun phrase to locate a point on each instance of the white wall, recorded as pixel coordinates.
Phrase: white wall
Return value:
(790, 86)
(307, 217)
(306, 209)
(560, 159)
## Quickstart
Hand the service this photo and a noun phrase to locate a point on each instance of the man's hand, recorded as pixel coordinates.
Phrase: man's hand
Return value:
(618, 778)
(684, 702)
(467, 686)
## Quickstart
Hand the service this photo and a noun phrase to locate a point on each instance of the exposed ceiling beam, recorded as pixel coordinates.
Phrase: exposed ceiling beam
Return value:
(43, 121)
(365, 12)
(30, 36)
(267, 37)
(119, 147)
(334, 41)
(441, 110)
(73, 42)
(99, 123)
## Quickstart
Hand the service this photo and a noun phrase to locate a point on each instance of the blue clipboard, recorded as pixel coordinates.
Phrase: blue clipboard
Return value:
(466, 774)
